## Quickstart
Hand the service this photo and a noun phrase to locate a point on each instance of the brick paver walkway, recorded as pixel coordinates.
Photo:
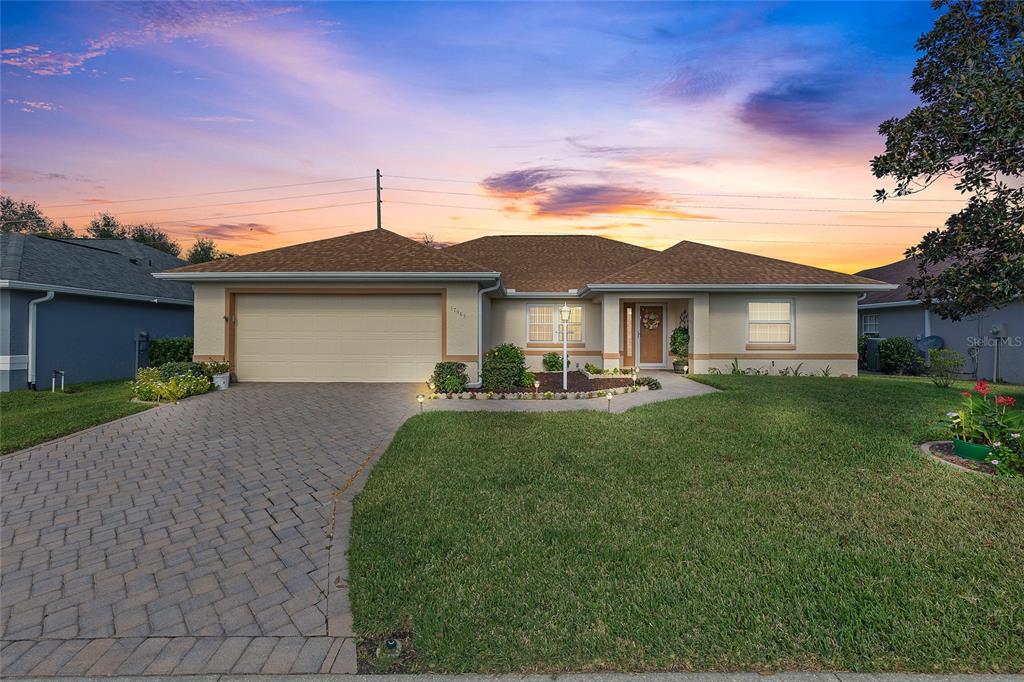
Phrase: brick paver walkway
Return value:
(191, 538)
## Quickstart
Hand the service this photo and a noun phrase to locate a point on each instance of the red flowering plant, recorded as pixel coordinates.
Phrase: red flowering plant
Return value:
(989, 419)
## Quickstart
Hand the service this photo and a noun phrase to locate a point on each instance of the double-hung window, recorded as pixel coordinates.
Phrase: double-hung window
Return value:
(544, 322)
(770, 322)
(869, 324)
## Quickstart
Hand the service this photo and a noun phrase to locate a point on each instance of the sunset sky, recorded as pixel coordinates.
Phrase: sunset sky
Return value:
(743, 125)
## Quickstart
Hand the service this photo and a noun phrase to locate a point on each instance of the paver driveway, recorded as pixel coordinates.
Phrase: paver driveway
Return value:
(191, 537)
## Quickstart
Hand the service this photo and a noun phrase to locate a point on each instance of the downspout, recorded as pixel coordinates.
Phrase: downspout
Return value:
(32, 337)
(480, 335)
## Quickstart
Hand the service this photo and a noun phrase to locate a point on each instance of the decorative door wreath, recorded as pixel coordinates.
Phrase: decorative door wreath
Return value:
(651, 320)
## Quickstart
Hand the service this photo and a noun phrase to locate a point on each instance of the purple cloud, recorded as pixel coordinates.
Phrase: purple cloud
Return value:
(235, 231)
(521, 183)
(809, 107)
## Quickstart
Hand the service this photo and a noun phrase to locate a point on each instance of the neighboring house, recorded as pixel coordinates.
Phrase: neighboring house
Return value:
(376, 306)
(993, 341)
(83, 306)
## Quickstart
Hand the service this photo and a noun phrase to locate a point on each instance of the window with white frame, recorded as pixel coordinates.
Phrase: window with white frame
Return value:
(770, 321)
(869, 325)
(544, 323)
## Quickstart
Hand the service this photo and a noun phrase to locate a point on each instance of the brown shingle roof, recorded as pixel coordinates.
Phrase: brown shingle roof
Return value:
(894, 273)
(369, 251)
(550, 262)
(693, 263)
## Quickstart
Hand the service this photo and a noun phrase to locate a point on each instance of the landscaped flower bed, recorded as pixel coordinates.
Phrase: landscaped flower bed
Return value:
(577, 382)
(987, 429)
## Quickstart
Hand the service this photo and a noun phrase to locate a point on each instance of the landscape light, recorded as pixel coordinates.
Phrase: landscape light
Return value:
(609, 397)
(420, 398)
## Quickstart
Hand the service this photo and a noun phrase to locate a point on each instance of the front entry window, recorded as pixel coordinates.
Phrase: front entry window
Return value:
(545, 323)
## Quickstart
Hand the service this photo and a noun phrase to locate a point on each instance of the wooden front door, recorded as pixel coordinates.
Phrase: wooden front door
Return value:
(651, 322)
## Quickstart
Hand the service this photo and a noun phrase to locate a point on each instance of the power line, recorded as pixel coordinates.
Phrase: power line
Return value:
(629, 216)
(688, 206)
(206, 194)
(223, 203)
(710, 194)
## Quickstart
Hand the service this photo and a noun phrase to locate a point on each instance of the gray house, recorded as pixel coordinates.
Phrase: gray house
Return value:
(993, 341)
(84, 306)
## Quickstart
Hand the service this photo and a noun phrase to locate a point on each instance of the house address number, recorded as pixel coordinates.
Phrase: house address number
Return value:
(457, 311)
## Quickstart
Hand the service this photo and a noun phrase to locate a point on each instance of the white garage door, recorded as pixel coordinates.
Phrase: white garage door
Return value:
(328, 337)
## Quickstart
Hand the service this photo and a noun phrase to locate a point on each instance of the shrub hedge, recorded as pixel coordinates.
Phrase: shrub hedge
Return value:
(504, 368)
(170, 349)
(450, 377)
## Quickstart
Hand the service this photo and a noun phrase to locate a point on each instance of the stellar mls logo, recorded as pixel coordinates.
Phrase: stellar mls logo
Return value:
(979, 341)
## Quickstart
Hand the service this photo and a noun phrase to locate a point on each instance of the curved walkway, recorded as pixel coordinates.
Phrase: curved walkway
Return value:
(204, 537)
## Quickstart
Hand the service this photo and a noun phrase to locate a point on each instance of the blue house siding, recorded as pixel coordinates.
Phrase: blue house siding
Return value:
(90, 338)
(909, 321)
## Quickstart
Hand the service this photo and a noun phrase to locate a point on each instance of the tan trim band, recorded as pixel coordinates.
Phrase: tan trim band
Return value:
(774, 356)
(460, 358)
(610, 356)
(537, 344)
(207, 358)
(771, 346)
(571, 354)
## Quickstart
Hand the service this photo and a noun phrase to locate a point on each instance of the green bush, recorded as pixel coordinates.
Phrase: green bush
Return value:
(679, 342)
(210, 368)
(897, 355)
(170, 369)
(149, 384)
(449, 377)
(552, 362)
(592, 368)
(944, 365)
(504, 368)
(651, 383)
(170, 349)
(862, 352)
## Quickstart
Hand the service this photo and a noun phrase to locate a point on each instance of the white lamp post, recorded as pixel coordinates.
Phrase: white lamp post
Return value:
(565, 312)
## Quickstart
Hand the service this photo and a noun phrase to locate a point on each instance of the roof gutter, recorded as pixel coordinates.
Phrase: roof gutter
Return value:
(325, 276)
(480, 335)
(60, 289)
(736, 287)
(888, 304)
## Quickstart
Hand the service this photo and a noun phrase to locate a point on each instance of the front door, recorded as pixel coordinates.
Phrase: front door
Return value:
(651, 324)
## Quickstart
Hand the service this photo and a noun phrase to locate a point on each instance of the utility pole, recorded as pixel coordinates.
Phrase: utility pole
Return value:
(378, 200)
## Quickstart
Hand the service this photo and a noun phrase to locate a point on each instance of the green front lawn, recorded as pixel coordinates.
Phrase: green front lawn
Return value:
(786, 523)
(28, 417)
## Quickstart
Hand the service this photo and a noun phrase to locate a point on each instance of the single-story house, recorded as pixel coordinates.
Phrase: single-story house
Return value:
(377, 306)
(993, 341)
(83, 306)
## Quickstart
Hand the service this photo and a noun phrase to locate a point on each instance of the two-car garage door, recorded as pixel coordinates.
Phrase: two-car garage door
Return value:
(332, 337)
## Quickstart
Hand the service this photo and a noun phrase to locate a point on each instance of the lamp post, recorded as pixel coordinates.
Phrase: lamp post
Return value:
(565, 312)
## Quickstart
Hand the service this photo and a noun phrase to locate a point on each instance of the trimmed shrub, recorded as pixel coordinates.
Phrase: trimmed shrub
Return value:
(862, 352)
(171, 369)
(944, 365)
(552, 362)
(150, 385)
(449, 377)
(212, 367)
(897, 355)
(170, 349)
(592, 368)
(651, 383)
(679, 342)
(504, 368)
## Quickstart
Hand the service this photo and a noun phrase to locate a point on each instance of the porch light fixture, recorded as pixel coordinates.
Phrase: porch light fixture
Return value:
(420, 398)
(565, 313)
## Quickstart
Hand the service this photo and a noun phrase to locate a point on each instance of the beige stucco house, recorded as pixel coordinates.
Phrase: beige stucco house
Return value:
(377, 306)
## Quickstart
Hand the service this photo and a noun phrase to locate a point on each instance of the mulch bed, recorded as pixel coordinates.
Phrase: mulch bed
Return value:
(578, 383)
(944, 450)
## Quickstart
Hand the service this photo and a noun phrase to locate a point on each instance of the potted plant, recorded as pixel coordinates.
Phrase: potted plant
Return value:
(679, 346)
(219, 373)
(981, 424)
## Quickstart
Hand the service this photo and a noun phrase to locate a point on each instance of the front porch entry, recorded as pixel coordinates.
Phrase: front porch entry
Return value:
(644, 334)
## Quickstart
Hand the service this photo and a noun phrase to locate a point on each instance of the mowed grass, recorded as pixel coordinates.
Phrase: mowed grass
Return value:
(28, 417)
(783, 524)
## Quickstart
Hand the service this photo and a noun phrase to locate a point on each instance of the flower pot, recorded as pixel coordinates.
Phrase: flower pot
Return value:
(975, 451)
(679, 366)
(222, 381)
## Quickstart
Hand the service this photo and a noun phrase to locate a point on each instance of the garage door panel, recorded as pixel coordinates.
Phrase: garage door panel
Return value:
(324, 337)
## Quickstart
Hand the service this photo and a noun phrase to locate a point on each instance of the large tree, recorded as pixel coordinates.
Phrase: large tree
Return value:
(106, 226)
(205, 250)
(22, 216)
(968, 128)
